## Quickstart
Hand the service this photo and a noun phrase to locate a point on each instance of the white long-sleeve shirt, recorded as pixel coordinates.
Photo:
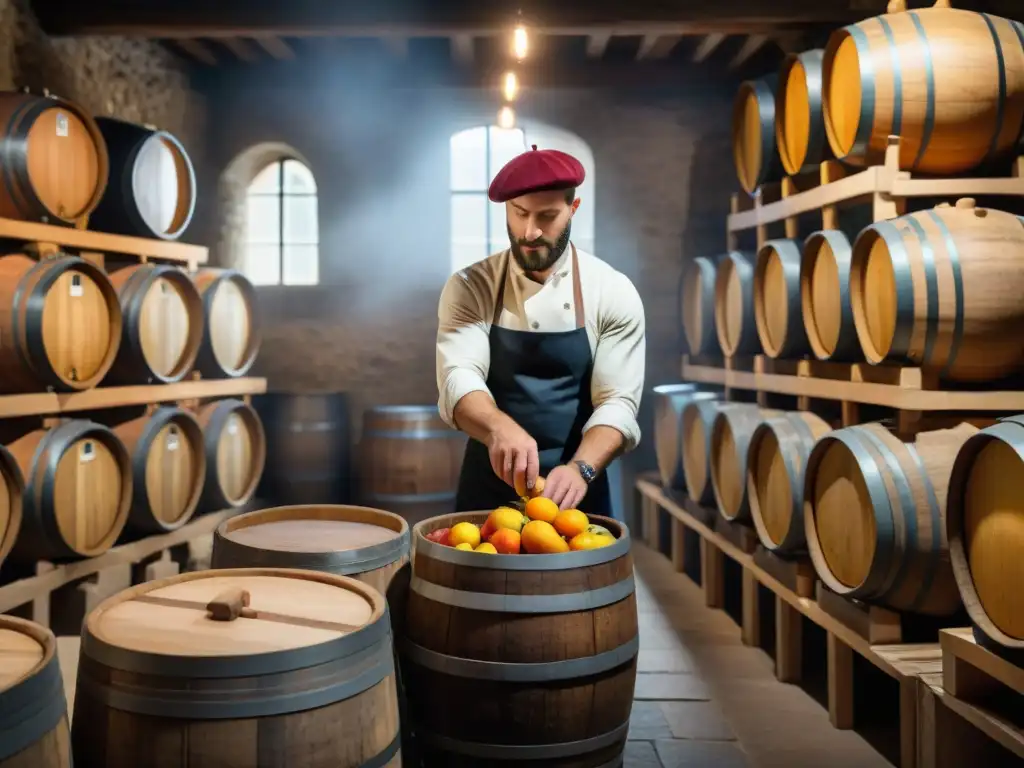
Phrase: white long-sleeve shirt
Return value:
(613, 314)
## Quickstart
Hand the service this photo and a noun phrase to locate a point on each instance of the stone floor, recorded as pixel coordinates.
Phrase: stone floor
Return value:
(705, 700)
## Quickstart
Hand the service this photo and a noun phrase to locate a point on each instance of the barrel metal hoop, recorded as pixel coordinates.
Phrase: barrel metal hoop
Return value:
(524, 751)
(931, 561)
(900, 260)
(958, 290)
(511, 672)
(862, 141)
(134, 290)
(563, 561)
(32, 708)
(931, 290)
(527, 604)
(795, 532)
(17, 161)
(35, 302)
(409, 498)
(929, 76)
(1018, 28)
(1001, 104)
(707, 299)
(816, 141)
(413, 434)
(381, 759)
(766, 116)
(896, 125)
(232, 554)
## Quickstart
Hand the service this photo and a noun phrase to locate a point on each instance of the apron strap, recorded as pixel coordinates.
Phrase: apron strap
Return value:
(499, 301)
(577, 289)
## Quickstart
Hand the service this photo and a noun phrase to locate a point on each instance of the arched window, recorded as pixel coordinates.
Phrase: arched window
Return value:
(478, 226)
(282, 231)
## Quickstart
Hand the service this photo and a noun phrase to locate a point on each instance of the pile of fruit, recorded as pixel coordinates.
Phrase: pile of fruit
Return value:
(539, 529)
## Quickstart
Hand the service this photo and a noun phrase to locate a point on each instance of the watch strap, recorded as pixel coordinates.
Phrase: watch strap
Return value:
(586, 471)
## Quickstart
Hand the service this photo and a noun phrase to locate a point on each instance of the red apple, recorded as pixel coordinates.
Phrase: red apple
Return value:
(440, 536)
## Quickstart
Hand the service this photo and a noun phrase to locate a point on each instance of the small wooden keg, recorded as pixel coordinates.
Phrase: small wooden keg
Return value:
(168, 462)
(730, 440)
(697, 305)
(231, 327)
(162, 321)
(60, 324)
(492, 640)
(271, 666)
(698, 419)
(33, 709)
(236, 452)
(361, 542)
(734, 305)
(78, 489)
(754, 149)
(777, 312)
(669, 402)
(874, 516)
(799, 114)
(55, 159)
(825, 297)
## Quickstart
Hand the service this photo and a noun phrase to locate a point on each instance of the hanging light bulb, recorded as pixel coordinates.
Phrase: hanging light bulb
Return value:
(506, 118)
(520, 43)
(510, 86)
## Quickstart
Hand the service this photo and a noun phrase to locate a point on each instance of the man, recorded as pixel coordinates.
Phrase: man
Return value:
(540, 351)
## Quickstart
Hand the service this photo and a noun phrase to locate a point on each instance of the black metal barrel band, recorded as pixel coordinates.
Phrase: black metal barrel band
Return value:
(228, 553)
(524, 751)
(386, 755)
(498, 603)
(510, 672)
(31, 709)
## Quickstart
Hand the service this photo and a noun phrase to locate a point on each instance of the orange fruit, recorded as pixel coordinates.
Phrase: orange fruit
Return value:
(506, 541)
(571, 522)
(486, 548)
(464, 533)
(541, 538)
(523, 492)
(541, 508)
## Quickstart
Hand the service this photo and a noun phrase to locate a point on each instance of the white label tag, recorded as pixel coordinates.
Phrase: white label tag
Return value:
(87, 453)
(172, 442)
(76, 285)
(232, 427)
(62, 125)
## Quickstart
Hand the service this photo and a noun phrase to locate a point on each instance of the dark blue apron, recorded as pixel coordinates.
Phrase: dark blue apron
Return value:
(542, 381)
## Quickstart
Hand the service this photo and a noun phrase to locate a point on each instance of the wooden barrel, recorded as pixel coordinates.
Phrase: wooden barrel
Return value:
(12, 500)
(55, 159)
(152, 188)
(945, 81)
(777, 312)
(361, 542)
(734, 304)
(698, 419)
(669, 402)
(537, 634)
(78, 489)
(236, 452)
(985, 529)
(941, 289)
(231, 329)
(60, 324)
(776, 459)
(162, 324)
(33, 709)
(168, 462)
(754, 149)
(799, 117)
(825, 297)
(697, 305)
(410, 461)
(271, 666)
(308, 447)
(730, 440)
(873, 516)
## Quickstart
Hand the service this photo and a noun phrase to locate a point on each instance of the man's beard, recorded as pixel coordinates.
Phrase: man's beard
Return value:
(547, 253)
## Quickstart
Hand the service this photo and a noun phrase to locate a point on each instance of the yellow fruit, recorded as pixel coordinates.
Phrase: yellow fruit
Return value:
(541, 538)
(541, 508)
(587, 540)
(594, 528)
(523, 492)
(570, 522)
(465, 533)
(464, 546)
(486, 547)
(506, 517)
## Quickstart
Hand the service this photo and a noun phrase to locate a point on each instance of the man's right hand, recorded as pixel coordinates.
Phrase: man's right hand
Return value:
(513, 454)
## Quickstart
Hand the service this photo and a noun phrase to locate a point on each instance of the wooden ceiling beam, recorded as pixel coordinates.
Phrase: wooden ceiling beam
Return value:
(276, 47)
(597, 45)
(707, 46)
(751, 45)
(241, 49)
(657, 46)
(197, 51)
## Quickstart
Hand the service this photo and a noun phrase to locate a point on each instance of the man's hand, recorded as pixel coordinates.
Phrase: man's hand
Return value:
(513, 454)
(565, 486)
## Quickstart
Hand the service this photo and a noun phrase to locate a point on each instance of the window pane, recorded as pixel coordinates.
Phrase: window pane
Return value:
(499, 227)
(301, 264)
(506, 143)
(267, 180)
(263, 219)
(300, 225)
(469, 159)
(298, 178)
(469, 229)
(263, 264)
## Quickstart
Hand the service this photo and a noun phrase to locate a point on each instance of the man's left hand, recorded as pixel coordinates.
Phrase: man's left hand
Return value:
(565, 486)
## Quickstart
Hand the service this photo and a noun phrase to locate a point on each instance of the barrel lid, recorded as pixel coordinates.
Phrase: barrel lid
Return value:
(21, 654)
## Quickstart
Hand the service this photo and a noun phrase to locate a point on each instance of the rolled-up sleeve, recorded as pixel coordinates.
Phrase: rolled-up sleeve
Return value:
(463, 345)
(617, 383)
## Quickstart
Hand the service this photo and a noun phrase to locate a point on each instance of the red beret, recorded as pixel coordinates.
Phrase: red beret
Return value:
(535, 171)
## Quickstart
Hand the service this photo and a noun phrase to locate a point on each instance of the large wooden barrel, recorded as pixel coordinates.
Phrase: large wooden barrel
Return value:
(410, 461)
(754, 149)
(777, 312)
(168, 460)
(78, 489)
(271, 666)
(33, 709)
(985, 529)
(12, 499)
(152, 188)
(361, 542)
(669, 402)
(236, 452)
(308, 447)
(60, 324)
(162, 324)
(54, 157)
(697, 305)
(825, 297)
(874, 516)
(734, 304)
(946, 81)
(776, 459)
(730, 440)
(799, 116)
(698, 419)
(231, 327)
(941, 289)
(496, 640)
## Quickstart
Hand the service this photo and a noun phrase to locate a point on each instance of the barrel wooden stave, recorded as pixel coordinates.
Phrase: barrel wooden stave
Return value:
(698, 419)
(669, 402)
(734, 304)
(874, 516)
(481, 710)
(754, 149)
(826, 310)
(776, 460)
(697, 305)
(730, 441)
(12, 500)
(940, 289)
(799, 115)
(948, 82)
(231, 323)
(778, 315)
(236, 453)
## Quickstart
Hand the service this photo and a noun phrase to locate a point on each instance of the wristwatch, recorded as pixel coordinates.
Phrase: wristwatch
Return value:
(587, 472)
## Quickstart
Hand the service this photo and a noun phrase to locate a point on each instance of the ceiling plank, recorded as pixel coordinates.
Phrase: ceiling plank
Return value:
(463, 49)
(657, 46)
(241, 49)
(597, 45)
(397, 45)
(707, 46)
(197, 51)
(276, 47)
(751, 45)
